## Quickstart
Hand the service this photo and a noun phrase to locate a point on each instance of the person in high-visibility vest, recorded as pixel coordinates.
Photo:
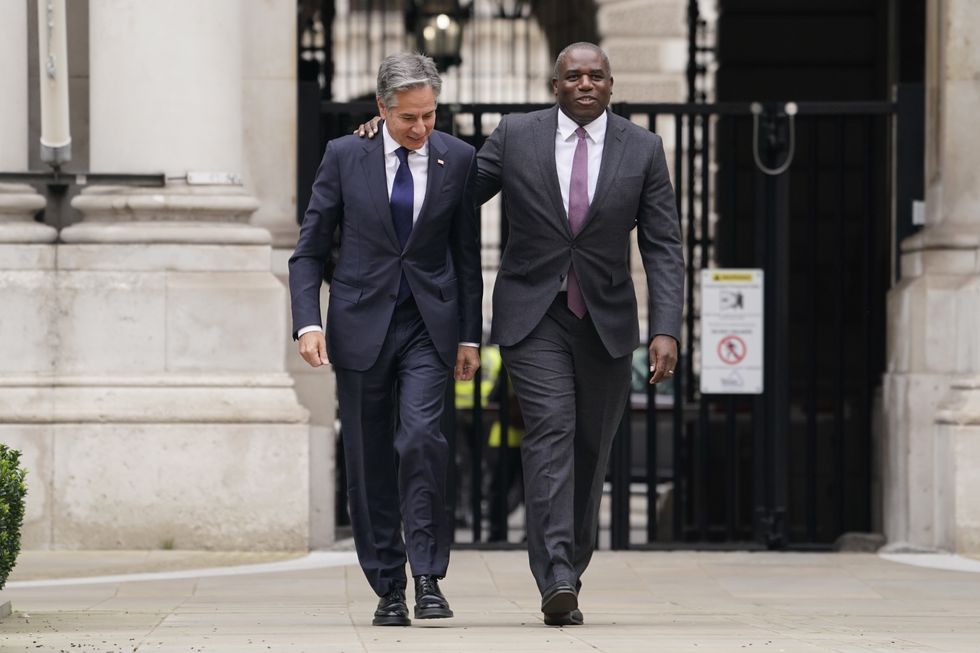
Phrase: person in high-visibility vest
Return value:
(489, 370)
(491, 385)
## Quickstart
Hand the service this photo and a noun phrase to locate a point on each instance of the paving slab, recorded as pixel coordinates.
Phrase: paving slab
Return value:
(632, 601)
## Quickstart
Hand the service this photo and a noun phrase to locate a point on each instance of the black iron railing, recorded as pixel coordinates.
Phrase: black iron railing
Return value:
(791, 467)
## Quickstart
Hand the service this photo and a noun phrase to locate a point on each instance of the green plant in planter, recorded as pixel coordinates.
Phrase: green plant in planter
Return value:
(12, 491)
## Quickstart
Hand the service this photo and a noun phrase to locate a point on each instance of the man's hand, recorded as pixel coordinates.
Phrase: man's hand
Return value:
(313, 348)
(369, 128)
(663, 358)
(467, 363)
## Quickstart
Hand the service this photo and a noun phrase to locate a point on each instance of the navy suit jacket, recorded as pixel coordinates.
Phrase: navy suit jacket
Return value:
(441, 259)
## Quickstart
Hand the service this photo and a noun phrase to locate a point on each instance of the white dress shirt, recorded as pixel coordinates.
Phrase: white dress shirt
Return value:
(418, 164)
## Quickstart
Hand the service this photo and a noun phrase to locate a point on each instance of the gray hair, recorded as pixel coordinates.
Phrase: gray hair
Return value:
(406, 70)
(584, 45)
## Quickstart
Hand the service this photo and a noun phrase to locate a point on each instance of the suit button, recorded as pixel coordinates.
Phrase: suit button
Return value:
(573, 245)
(392, 297)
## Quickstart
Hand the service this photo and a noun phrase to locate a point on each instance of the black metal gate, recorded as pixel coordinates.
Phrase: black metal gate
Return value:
(793, 467)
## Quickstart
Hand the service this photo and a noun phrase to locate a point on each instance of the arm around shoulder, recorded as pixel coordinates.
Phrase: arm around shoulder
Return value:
(489, 161)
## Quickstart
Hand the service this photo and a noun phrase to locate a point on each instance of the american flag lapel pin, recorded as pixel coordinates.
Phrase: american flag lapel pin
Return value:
(440, 162)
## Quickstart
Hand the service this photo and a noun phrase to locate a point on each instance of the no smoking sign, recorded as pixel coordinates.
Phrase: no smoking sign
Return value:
(731, 331)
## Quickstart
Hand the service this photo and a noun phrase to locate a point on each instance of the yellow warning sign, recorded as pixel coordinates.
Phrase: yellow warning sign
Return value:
(747, 275)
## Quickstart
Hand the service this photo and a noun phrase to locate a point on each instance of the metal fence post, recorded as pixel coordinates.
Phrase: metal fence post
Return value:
(773, 138)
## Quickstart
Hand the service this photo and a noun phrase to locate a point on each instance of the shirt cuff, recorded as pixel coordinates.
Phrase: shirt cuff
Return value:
(308, 329)
(470, 344)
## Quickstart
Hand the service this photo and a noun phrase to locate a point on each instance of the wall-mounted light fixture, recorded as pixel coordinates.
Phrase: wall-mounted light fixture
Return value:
(513, 9)
(438, 26)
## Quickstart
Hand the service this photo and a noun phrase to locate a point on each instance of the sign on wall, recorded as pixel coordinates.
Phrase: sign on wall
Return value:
(731, 331)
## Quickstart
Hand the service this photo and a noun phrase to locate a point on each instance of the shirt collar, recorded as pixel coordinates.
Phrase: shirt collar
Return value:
(391, 144)
(595, 129)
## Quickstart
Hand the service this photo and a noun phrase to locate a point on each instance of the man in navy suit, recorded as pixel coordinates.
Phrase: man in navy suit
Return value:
(405, 308)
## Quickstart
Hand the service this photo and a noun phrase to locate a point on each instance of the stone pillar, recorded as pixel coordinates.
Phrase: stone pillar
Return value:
(269, 116)
(18, 202)
(931, 386)
(269, 121)
(647, 47)
(27, 261)
(169, 413)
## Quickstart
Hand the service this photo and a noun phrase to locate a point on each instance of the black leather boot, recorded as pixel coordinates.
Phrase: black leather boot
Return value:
(392, 609)
(429, 601)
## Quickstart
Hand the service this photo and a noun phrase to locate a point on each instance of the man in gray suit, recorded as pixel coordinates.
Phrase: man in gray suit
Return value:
(576, 180)
(405, 309)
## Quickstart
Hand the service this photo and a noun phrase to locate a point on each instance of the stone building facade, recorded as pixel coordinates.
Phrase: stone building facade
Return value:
(146, 368)
(931, 466)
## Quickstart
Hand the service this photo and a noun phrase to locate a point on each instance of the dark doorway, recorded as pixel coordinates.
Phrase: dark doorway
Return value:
(841, 227)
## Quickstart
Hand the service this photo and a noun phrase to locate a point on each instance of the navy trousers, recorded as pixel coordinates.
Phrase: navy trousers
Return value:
(397, 456)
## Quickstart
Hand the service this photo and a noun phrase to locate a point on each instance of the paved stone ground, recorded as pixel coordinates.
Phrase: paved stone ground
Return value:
(36, 565)
(632, 601)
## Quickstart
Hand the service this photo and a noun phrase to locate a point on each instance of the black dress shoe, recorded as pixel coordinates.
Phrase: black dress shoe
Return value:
(429, 601)
(392, 610)
(573, 618)
(559, 598)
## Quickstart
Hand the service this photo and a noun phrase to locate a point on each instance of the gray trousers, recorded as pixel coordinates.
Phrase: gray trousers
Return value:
(572, 394)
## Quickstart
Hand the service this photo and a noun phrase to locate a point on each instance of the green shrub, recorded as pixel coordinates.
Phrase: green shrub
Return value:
(12, 491)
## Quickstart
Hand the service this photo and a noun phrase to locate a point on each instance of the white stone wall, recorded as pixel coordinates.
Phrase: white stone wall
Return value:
(647, 47)
(932, 441)
(269, 115)
(156, 485)
(13, 77)
(162, 110)
(269, 171)
(141, 357)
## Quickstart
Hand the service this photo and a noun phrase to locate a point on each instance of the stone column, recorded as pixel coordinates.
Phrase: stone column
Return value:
(269, 121)
(172, 419)
(647, 47)
(18, 202)
(931, 386)
(27, 261)
(269, 115)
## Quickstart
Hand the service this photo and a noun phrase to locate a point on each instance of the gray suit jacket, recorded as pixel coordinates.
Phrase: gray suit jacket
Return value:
(633, 190)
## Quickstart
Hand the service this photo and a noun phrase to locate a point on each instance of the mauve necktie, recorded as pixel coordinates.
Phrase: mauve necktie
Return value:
(402, 201)
(578, 206)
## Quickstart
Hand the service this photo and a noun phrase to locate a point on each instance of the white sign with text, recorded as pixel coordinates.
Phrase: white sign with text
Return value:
(731, 331)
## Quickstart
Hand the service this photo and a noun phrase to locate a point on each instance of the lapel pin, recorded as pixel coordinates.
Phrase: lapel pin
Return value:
(440, 162)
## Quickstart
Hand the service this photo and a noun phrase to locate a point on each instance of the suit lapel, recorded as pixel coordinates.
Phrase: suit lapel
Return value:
(373, 163)
(612, 154)
(434, 178)
(544, 136)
